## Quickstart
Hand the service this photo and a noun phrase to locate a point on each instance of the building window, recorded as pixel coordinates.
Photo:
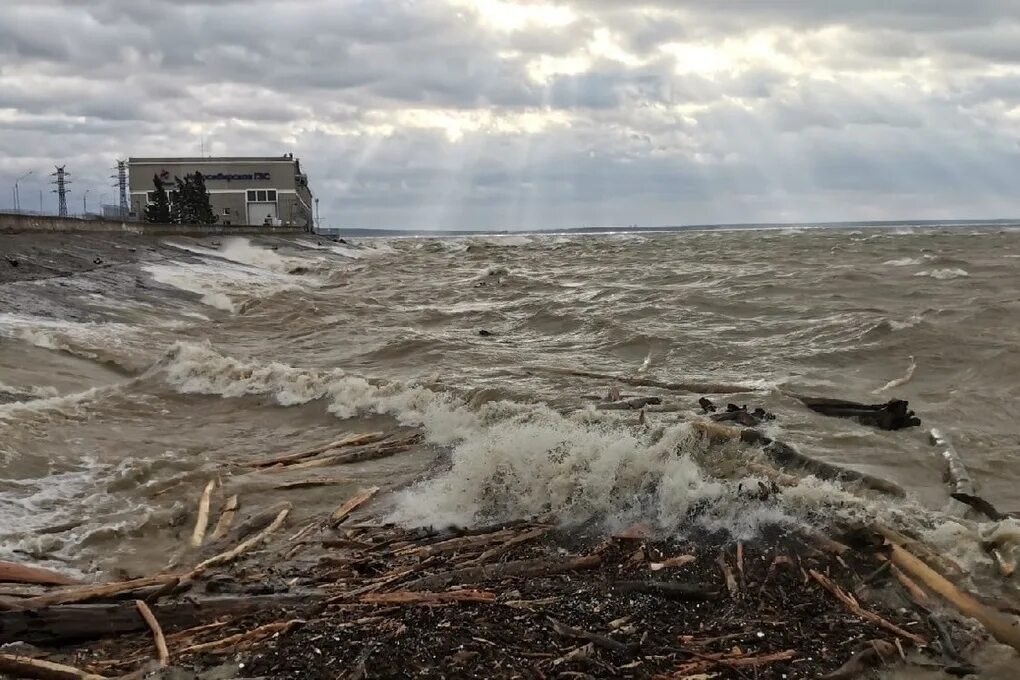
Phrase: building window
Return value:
(226, 211)
(261, 195)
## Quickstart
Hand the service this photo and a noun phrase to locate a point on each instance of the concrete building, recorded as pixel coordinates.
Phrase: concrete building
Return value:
(242, 190)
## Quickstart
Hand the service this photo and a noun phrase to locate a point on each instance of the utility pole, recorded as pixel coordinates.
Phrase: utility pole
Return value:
(40, 202)
(318, 222)
(61, 191)
(84, 203)
(121, 185)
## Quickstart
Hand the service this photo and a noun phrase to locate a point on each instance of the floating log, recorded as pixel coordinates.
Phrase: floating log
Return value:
(256, 522)
(162, 653)
(495, 572)
(11, 572)
(633, 404)
(694, 387)
(314, 481)
(26, 667)
(243, 547)
(959, 478)
(227, 514)
(415, 598)
(892, 415)
(202, 522)
(941, 563)
(351, 440)
(64, 624)
(1005, 629)
(786, 457)
(341, 513)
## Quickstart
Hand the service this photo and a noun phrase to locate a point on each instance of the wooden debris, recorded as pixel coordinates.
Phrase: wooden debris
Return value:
(198, 535)
(457, 544)
(959, 478)
(381, 450)
(892, 415)
(1005, 629)
(227, 514)
(62, 624)
(507, 546)
(287, 459)
(256, 522)
(850, 603)
(246, 545)
(602, 641)
(448, 597)
(162, 653)
(937, 561)
(314, 481)
(633, 404)
(731, 581)
(26, 667)
(233, 642)
(495, 572)
(11, 572)
(673, 562)
(94, 592)
(706, 662)
(667, 589)
(341, 513)
(1005, 565)
(694, 387)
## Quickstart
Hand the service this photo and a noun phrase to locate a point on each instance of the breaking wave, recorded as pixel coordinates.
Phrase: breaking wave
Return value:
(944, 274)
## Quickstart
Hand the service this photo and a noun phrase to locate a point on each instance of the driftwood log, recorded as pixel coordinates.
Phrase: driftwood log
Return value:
(10, 572)
(892, 415)
(787, 458)
(81, 622)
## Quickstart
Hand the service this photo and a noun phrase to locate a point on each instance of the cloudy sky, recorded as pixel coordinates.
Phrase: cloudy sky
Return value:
(511, 114)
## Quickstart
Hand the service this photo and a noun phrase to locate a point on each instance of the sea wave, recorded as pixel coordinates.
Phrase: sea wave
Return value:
(944, 274)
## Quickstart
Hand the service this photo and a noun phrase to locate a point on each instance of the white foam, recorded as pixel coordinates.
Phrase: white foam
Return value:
(904, 262)
(89, 340)
(944, 274)
(902, 380)
(221, 284)
(509, 459)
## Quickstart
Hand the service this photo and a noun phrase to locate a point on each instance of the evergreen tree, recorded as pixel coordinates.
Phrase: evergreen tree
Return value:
(191, 203)
(158, 211)
(202, 211)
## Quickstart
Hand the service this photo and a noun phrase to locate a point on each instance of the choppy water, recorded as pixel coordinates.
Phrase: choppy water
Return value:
(132, 380)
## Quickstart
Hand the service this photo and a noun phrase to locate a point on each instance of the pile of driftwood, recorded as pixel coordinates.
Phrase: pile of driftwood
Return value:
(520, 599)
(330, 597)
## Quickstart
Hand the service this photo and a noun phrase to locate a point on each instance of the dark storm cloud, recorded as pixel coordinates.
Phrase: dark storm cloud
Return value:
(462, 113)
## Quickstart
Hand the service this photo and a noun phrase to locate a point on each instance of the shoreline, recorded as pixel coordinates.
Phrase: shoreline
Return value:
(342, 595)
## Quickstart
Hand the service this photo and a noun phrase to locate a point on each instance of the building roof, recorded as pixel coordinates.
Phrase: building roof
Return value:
(170, 160)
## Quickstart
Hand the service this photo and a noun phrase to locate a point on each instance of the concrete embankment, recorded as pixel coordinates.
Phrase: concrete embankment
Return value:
(37, 224)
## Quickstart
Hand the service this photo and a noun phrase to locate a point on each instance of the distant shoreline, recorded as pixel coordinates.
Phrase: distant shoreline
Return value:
(748, 226)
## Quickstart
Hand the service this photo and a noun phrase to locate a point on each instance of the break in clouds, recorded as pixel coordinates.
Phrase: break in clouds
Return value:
(513, 114)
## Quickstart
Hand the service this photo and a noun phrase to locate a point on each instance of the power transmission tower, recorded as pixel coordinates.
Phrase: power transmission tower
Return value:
(122, 184)
(61, 191)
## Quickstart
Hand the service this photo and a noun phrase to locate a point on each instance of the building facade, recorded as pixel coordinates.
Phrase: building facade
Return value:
(242, 190)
